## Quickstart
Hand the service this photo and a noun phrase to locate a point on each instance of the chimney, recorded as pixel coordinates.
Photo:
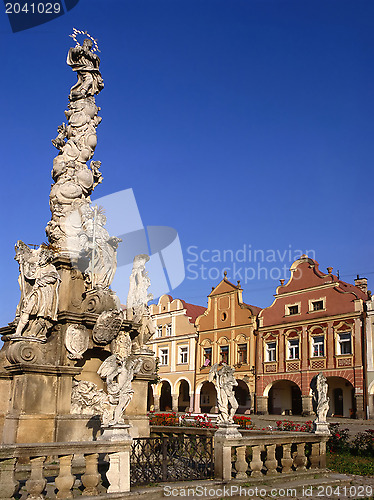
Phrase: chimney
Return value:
(361, 283)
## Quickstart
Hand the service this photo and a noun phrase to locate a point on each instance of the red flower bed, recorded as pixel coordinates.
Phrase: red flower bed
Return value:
(244, 422)
(288, 425)
(163, 418)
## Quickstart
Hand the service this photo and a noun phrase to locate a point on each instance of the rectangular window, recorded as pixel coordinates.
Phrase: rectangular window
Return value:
(317, 305)
(271, 351)
(207, 356)
(224, 354)
(168, 329)
(164, 356)
(183, 355)
(293, 310)
(293, 349)
(159, 331)
(318, 346)
(242, 353)
(345, 343)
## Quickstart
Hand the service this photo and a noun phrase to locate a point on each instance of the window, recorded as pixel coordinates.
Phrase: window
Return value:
(164, 356)
(159, 331)
(224, 354)
(183, 355)
(168, 329)
(317, 305)
(207, 356)
(345, 343)
(293, 310)
(242, 353)
(318, 346)
(271, 351)
(293, 349)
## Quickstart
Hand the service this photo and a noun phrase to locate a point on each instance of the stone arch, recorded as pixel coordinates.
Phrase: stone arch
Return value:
(243, 396)
(208, 397)
(182, 389)
(284, 397)
(166, 402)
(341, 394)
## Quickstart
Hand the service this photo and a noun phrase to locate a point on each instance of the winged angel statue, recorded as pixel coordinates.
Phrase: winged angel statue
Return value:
(118, 373)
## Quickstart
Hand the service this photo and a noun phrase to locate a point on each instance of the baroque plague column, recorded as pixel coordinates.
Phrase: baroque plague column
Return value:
(72, 359)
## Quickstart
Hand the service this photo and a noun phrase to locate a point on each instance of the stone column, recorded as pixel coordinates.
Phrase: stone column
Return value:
(262, 405)
(156, 398)
(196, 406)
(359, 401)
(307, 405)
(174, 402)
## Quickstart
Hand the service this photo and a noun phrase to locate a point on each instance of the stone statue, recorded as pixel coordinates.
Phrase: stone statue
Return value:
(101, 247)
(224, 382)
(320, 389)
(74, 181)
(86, 63)
(118, 373)
(39, 282)
(137, 308)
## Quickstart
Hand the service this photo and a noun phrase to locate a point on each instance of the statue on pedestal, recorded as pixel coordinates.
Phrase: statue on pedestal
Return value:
(224, 382)
(322, 403)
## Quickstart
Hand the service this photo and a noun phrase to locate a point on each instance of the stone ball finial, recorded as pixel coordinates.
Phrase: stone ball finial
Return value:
(282, 281)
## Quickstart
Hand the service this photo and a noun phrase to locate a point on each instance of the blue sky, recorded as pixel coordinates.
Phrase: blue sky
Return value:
(239, 123)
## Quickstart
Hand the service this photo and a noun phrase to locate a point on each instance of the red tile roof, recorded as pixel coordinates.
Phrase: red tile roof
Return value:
(192, 310)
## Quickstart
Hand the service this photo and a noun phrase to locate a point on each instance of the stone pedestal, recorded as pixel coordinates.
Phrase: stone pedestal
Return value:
(321, 428)
(119, 463)
(222, 452)
(117, 432)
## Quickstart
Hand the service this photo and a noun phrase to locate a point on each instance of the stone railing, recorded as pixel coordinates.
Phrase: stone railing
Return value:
(257, 454)
(48, 467)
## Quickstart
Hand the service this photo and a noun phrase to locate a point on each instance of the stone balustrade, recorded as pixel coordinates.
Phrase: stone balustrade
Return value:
(49, 465)
(256, 454)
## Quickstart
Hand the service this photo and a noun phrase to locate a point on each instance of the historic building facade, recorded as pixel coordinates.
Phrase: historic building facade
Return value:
(226, 334)
(174, 343)
(315, 323)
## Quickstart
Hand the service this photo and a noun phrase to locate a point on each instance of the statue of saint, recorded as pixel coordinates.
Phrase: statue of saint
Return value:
(224, 382)
(39, 281)
(137, 308)
(86, 63)
(101, 247)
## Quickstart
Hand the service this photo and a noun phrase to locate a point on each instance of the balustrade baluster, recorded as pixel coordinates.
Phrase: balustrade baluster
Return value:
(91, 477)
(8, 483)
(241, 463)
(314, 457)
(287, 460)
(36, 483)
(271, 462)
(256, 463)
(300, 458)
(65, 479)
